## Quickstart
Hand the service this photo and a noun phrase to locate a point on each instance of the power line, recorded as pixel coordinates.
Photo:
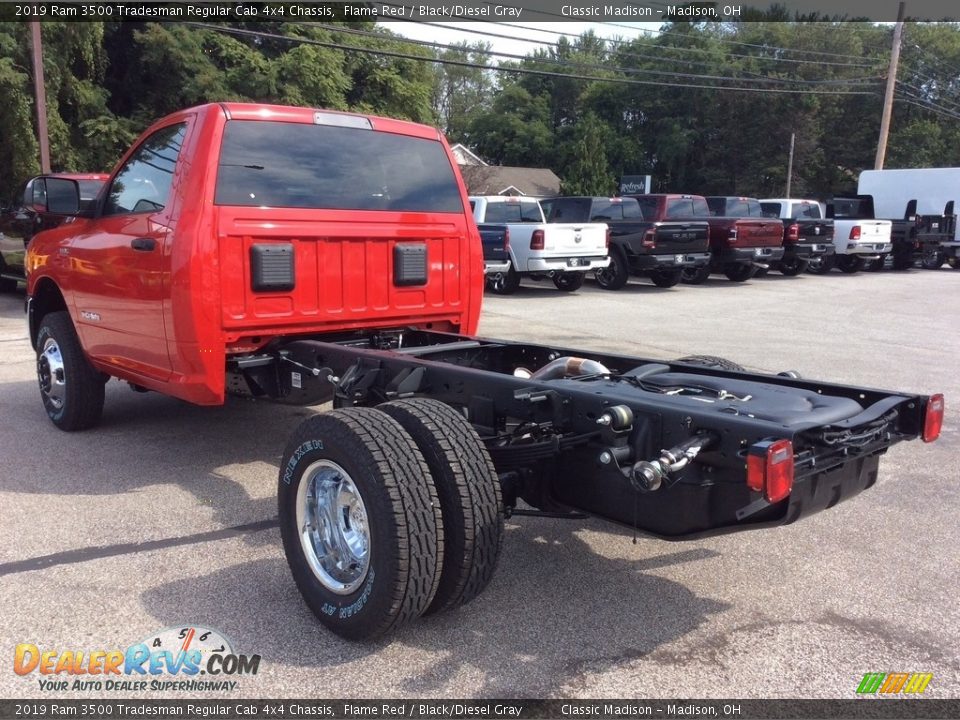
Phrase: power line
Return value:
(929, 106)
(514, 70)
(592, 66)
(630, 43)
(683, 35)
(924, 95)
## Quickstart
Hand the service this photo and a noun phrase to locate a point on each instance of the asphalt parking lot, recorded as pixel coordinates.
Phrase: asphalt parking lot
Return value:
(164, 516)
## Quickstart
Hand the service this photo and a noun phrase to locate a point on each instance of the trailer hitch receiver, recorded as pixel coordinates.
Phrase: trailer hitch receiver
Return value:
(648, 475)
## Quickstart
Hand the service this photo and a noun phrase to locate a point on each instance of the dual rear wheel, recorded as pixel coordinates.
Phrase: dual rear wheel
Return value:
(387, 514)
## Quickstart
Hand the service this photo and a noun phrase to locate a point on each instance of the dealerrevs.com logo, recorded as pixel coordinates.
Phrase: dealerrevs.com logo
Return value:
(191, 658)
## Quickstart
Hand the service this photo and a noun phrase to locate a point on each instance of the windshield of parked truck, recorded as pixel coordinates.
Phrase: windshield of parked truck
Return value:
(294, 165)
(513, 211)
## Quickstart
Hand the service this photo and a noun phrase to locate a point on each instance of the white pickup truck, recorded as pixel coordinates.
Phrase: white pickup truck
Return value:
(857, 236)
(564, 252)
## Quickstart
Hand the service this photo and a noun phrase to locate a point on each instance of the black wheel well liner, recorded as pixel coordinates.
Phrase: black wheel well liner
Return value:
(46, 298)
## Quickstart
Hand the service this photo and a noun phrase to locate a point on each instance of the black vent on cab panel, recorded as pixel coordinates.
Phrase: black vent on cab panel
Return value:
(271, 267)
(409, 264)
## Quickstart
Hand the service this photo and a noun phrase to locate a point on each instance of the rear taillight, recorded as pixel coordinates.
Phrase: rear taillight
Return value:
(536, 240)
(606, 242)
(793, 232)
(506, 239)
(649, 239)
(770, 469)
(732, 236)
(933, 420)
(855, 232)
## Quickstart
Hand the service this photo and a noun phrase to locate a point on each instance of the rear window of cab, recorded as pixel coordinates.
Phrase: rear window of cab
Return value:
(296, 165)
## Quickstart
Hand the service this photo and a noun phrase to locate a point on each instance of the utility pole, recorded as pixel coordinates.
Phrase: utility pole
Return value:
(891, 86)
(41, 97)
(793, 136)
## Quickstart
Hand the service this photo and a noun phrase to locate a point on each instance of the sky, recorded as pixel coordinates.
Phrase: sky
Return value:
(537, 33)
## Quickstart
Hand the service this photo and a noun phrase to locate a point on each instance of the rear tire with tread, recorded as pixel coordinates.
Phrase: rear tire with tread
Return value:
(822, 265)
(738, 272)
(666, 278)
(617, 273)
(695, 275)
(403, 520)
(469, 493)
(504, 283)
(569, 281)
(793, 267)
(850, 264)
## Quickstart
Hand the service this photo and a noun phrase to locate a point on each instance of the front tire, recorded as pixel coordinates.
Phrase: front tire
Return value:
(569, 281)
(666, 278)
(71, 389)
(469, 493)
(360, 522)
(850, 264)
(615, 275)
(738, 272)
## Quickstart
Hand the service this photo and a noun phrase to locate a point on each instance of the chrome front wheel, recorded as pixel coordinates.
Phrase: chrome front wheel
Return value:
(52, 374)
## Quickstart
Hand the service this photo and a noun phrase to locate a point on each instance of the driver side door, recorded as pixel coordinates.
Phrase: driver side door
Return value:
(121, 264)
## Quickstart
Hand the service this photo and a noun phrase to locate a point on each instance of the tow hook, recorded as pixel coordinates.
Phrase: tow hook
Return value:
(648, 475)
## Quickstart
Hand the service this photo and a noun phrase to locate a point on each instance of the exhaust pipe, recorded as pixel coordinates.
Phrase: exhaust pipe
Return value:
(569, 367)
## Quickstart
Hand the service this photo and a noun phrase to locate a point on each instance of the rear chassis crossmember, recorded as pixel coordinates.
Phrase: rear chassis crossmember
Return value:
(563, 443)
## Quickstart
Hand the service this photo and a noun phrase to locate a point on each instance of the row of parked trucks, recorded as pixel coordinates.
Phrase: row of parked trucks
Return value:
(667, 238)
(670, 238)
(303, 255)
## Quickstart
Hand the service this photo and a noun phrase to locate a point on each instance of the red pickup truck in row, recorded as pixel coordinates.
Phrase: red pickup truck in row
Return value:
(304, 255)
(739, 244)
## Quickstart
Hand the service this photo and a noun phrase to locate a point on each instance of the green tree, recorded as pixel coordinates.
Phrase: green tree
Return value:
(588, 172)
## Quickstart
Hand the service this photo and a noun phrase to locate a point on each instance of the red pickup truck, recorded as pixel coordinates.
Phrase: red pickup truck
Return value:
(739, 244)
(303, 255)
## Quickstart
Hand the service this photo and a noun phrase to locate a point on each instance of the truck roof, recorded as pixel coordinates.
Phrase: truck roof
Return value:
(319, 116)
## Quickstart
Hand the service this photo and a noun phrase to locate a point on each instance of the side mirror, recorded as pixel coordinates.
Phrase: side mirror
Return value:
(57, 196)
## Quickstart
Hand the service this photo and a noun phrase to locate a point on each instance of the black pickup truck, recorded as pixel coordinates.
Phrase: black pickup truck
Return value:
(807, 233)
(642, 240)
